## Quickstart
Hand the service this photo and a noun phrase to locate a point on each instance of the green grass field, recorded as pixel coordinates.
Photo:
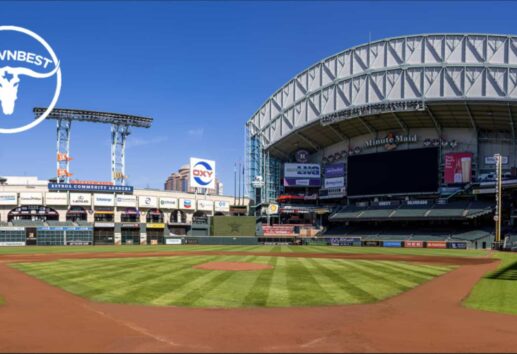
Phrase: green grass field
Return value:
(258, 248)
(497, 291)
(291, 282)
(2, 301)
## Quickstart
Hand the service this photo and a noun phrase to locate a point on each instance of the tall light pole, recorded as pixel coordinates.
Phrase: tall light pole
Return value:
(498, 197)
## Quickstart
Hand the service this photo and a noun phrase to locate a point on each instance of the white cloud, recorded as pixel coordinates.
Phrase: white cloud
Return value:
(197, 132)
(136, 142)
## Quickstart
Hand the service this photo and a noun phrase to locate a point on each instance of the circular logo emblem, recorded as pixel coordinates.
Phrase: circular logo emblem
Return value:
(203, 173)
(18, 67)
(302, 156)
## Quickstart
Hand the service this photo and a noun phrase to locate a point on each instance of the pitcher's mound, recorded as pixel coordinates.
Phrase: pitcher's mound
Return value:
(235, 266)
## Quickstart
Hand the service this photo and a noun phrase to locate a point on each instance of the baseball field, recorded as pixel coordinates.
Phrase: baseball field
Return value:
(256, 298)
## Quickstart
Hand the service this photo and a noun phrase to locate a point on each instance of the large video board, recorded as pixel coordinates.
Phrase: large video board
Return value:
(395, 172)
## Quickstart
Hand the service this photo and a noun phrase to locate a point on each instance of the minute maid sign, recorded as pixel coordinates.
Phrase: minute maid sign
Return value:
(391, 141)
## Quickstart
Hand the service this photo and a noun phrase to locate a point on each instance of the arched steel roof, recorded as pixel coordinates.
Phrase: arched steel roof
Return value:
(394, 76)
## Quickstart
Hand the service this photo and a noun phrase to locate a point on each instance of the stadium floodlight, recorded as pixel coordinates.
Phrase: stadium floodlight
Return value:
(120, 124)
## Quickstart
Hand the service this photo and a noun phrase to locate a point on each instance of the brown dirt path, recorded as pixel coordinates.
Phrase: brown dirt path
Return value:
(429, 318)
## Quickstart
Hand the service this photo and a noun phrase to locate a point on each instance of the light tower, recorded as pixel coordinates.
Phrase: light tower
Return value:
(120, 124)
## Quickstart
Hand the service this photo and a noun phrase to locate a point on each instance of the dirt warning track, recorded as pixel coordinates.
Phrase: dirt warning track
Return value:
(38, 317)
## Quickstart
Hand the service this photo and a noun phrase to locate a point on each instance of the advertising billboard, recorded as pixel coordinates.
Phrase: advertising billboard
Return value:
(221, 205)
(202, 173)
(414, 244)
(123, 200)
(89, 188)
(187, 204)
(458, 167)
(205, 205)
(393, 172)
(147, 202)
(334, 182)
(80, 199)
(56, 199)
(168, 203)
(104, 200)
(436, 244)
(392, 243)
(302, 175)
(335, 170)
(31, 199)
(8, 198)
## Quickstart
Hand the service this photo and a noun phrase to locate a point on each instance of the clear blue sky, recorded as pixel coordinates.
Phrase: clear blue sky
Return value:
(200, 69)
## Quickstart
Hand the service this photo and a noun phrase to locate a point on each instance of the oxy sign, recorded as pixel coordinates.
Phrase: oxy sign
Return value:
(202, 173)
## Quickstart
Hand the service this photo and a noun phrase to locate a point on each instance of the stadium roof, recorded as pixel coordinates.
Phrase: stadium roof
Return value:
(424, 81)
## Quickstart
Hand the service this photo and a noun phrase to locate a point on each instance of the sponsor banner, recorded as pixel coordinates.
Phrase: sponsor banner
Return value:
(302, 182)
(96, 183)
(155, 226)
(173, 241)
(168, 203)
(104, 200)
(414, 244)
(82, 199)
(89, 188)
(205, 205)
(65, 228)
(335, 170)
(130, 225)
(187, 204)
(345, 241)
(221, 205)
(302, 170)
(11, 244)
(123, 200)
(8, 199)
(458, 167)
(371, 243)
(490, 160)
(392, 244)
(31, 199)
(202, 173)
(12, 228)
(458, 245)
(334, 182)
(56, 199)
(105, 224)
(436, 244)
(147, 202)
(79, 243)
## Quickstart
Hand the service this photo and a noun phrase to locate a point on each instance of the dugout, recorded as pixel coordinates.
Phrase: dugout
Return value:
(130, 233)
(62, 235)
(12, 236)
(155, 233)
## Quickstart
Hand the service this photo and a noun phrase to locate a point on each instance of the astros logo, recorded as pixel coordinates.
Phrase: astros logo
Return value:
(203, 173)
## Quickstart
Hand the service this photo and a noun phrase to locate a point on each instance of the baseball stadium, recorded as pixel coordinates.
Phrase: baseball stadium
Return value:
(378, 215)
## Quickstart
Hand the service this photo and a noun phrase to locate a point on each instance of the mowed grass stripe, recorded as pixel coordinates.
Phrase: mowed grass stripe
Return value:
(240, 282)
(417, 269)
(403, 278)
(200, 286)
(258, 293)
(382, 276)
(183, 285)
(330, 287)
(302, 286)
(382, 285)
(340, 276)
(278, 294)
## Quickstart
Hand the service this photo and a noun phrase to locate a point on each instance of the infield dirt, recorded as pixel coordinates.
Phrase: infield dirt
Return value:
(38, 317)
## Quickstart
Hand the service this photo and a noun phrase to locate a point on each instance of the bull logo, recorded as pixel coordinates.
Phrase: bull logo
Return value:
(11, 75)
(9, 83)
